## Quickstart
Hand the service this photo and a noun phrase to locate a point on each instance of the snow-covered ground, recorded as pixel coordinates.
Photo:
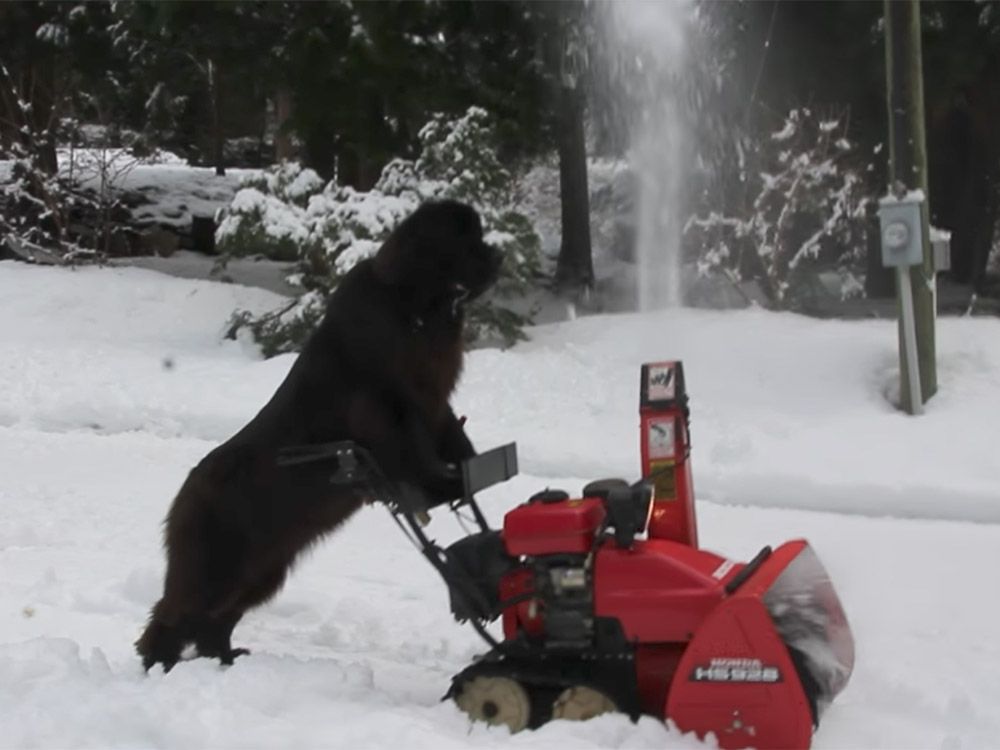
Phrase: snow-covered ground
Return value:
(113, 382)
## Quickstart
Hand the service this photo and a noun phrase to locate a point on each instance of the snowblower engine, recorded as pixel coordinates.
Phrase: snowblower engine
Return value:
(608, 604)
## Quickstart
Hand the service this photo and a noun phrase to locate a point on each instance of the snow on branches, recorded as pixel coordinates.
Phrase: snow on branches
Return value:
(289, 213)
(810, 212)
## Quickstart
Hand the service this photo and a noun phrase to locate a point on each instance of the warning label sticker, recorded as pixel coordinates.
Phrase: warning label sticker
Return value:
(660, 382)
(661, 438)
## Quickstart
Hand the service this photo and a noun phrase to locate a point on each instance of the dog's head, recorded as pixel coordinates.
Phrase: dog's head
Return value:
(437, 257)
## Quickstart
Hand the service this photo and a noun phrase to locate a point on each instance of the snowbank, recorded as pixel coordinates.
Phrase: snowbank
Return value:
(113, 382)
(174, 191)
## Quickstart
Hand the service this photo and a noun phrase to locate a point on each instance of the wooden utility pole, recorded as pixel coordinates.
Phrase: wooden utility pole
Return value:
(575, 265)
(908, 171)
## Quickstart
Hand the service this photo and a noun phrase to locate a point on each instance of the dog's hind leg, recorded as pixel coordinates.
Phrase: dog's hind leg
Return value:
(213, 633)
(213, 637)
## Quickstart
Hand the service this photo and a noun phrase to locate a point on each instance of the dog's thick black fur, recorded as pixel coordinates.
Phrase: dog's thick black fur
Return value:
(379, 370)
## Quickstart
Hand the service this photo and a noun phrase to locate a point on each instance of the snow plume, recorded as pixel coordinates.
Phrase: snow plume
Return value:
(646, 46)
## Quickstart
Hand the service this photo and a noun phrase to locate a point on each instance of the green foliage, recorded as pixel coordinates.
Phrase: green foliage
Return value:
(184, 56)
(284, 330)
(361, 77)
(332, 227)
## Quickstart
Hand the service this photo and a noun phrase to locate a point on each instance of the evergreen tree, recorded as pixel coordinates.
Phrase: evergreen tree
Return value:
(41, 86)
(198, 62)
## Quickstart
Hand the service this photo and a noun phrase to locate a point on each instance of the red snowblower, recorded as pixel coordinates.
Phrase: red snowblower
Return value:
(608, 604)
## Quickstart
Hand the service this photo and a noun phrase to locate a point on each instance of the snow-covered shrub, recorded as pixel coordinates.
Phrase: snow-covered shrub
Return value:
(810, 213)
(326, 229)
(268, 215)
(40, 214)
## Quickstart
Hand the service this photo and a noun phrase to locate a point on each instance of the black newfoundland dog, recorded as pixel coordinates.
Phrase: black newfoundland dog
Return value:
(379, 370)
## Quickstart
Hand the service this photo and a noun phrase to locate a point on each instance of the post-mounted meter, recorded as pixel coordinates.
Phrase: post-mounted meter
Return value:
(902, 237)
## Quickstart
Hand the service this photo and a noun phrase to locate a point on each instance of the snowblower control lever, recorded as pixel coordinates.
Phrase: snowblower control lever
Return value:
(489, 468)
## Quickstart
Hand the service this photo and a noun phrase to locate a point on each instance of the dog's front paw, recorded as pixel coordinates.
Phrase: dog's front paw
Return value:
(228, 657)
(159, 644)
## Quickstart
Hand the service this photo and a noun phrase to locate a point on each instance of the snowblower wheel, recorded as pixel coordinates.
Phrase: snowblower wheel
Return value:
(580, 703)
(496, 700)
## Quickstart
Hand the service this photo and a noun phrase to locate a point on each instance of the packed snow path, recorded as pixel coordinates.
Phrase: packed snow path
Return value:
(114, 382)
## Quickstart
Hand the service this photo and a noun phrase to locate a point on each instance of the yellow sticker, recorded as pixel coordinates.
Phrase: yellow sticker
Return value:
(664, 480)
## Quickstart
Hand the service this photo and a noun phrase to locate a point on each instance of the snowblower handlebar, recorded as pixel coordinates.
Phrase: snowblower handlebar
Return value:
(356, 466)
(408, 506)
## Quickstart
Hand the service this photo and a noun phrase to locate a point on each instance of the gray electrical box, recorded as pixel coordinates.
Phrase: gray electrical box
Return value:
(941, 244)
(902, 238)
